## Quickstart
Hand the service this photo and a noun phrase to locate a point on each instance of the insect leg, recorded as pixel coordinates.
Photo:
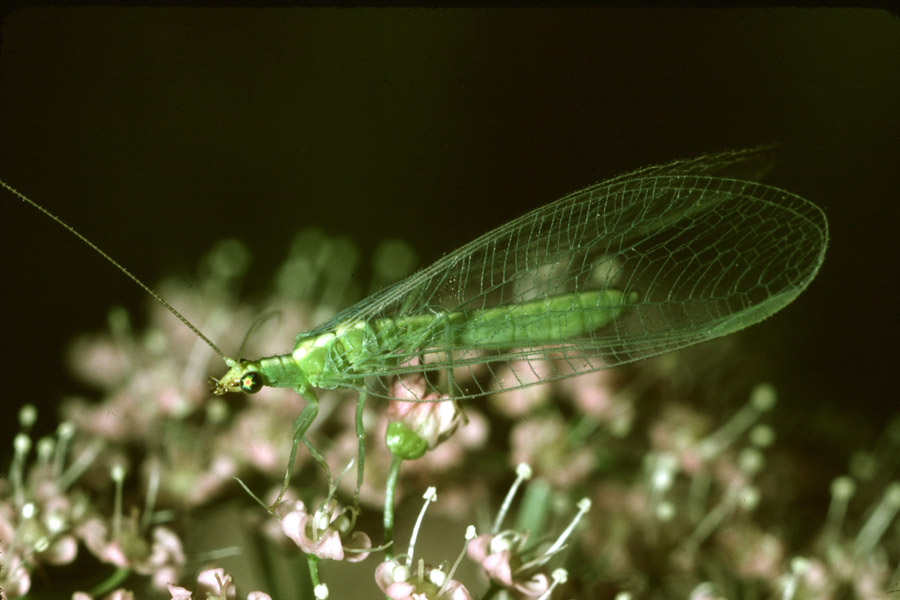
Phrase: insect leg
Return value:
(301, 424)
(448, 344)
(361, 440)
(452, 388)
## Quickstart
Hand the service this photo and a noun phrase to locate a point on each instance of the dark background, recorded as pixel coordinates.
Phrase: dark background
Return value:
(159, 132)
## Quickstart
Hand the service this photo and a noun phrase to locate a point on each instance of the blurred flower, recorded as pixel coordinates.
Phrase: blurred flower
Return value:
(703, 502)
(39, 514)
(542, 442)
(213, 584)
(161, 556)
(119, 594)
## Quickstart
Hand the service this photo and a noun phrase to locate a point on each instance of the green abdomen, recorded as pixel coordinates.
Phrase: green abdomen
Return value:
(554, 319)
(360, 347)
(548, 320)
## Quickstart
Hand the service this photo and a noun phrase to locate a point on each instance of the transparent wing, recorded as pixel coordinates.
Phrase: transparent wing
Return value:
(701, 253)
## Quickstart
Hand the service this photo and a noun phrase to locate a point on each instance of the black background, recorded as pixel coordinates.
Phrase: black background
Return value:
(159, 132)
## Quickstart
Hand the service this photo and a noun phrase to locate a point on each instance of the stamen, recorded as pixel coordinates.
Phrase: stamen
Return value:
(430, 495)
(762, 436)
(559, 576)
(321, 519)
(705, 591)
(152, 492)
(799, 565)
(400, 573)
(584, 505)
(505, 541)
(21, 448)
(470, 535)
(842, 490)
(863, 466)
(762, 399)
(751, 461)
(65, 432)
(80, 464)
(664, 470)
(523, 473)
(878, 522)
(665, 511)
(716, 516)
(27, 417)
(662, 476)
(117, 473)
(44, 451)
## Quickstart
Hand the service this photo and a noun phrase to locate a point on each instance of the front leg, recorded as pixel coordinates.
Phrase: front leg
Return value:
(361, 440)
(301, 425)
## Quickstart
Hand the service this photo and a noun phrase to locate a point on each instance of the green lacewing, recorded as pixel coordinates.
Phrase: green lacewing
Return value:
(641, 264)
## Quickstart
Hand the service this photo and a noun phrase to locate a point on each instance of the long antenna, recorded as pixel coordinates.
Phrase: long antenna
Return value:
(134, 278)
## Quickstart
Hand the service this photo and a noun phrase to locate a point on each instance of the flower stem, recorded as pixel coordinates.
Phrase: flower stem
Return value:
(313, 561)
(110, 583)
(389, 490)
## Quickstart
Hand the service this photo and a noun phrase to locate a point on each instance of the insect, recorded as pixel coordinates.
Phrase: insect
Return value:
(645, 263)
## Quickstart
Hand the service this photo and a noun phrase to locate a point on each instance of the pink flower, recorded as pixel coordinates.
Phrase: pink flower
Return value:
(16, 578)
(428, 414)
(594, 395)
(508, 562)
(399, 582)
(755, 553)
(163, 557)
(119, 594)
(516, 403)
(326, 533)
(498, 555)
(541, 442)
(433, 421)
(213, 584)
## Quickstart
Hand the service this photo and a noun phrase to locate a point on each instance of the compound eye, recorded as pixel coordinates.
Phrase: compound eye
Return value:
(251, 382)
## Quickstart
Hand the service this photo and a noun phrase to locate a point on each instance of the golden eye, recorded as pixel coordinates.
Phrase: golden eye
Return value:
(251, 382)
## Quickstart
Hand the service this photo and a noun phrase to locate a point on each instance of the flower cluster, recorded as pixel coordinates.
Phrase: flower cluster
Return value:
(642, 481)
(45, 518)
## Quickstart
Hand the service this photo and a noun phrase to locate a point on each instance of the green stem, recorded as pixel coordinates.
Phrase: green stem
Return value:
(111, 582)
(313, 561)
(492, 591)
